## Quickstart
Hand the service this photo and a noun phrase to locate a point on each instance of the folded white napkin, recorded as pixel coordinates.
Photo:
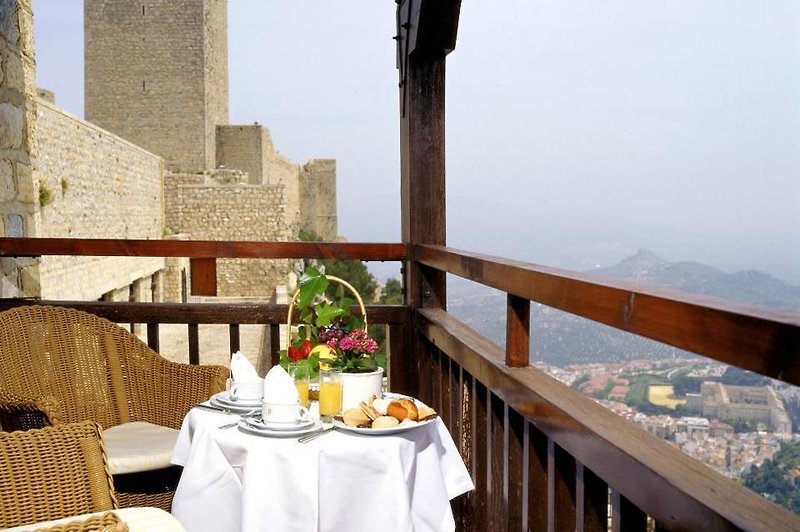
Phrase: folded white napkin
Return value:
(279, 387)
(242, 370)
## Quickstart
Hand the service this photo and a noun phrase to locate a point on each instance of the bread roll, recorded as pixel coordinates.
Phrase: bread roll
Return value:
(402, 409)
(354, 417)
(384, 422)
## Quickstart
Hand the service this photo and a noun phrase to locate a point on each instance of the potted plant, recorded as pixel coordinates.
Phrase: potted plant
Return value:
(329, 334)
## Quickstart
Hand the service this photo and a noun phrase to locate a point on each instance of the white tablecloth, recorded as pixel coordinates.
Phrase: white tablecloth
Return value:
(234, 480)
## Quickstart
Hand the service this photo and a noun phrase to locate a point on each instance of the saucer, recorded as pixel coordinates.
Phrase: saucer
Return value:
(221, 399)
(246, 426)
(280, 426)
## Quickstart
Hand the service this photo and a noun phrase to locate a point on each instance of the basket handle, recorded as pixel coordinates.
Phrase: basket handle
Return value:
(329, 278)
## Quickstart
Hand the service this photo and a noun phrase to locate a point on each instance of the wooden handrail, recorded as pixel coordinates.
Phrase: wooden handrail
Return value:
(676, 490)
(34, 247)
(759, 339)
(207, 313)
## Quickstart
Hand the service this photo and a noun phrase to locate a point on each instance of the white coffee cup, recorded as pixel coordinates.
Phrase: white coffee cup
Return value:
(283, 412)
(246, 391)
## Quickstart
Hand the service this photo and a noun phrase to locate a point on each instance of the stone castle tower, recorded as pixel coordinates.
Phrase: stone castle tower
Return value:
(156, 74)
(155, 158)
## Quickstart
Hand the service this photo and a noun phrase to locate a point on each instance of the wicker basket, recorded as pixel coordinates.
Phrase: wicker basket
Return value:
(329, 278)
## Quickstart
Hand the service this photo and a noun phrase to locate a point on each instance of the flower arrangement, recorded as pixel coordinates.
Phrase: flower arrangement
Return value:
(328, 333)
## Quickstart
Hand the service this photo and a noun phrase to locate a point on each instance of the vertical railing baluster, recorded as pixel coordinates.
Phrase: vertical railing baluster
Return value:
(152, 337)
(194, 343)
(447, 392)
(275, 344)
(400, 362)
(561, 488)
(466, 443)
(233, 334)
(537, 503)
(516, 469)
(481, 449)
(592, 501)
(425, 372)
(497, 509)
(626, 516)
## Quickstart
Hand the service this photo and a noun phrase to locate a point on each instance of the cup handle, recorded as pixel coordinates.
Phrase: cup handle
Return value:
(303, 413)
(234, 393)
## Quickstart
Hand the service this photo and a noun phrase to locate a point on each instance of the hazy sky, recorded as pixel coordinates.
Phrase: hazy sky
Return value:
(577, 131)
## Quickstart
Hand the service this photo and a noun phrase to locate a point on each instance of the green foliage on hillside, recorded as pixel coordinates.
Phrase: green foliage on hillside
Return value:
(775, 479)
(739, 377)
(683, 384)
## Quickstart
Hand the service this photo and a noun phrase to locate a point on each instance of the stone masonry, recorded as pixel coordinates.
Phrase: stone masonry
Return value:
(208, 208)
(18, 196)
(95, 185)
(157, 75)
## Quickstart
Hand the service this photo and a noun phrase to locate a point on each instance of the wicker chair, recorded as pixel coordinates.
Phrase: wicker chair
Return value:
(52, 473)
(62, 365)
(107, 522)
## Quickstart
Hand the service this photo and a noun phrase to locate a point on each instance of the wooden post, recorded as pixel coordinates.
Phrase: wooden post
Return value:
(426, 33)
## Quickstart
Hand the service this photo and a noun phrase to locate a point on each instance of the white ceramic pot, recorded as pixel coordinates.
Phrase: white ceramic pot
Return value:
(357, 387)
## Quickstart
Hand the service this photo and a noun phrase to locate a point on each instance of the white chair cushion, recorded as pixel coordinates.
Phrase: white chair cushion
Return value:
(138, 520)
(138, 446)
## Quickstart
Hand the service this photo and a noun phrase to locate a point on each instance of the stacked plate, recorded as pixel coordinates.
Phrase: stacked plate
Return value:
(223, 399)
(256, 425)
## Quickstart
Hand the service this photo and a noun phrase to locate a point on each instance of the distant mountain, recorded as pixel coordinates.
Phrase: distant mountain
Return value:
(560, 338)
(749, 286)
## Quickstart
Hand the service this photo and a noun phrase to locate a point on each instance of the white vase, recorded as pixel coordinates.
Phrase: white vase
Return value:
(357, 387)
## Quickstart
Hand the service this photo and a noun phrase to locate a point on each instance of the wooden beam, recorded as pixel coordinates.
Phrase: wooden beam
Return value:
(103, 247)
(221, 313)
(754, 338)
(430, 27)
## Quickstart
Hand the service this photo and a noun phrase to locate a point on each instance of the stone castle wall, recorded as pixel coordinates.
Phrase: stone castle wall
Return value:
(209, 210)
(156, 75)
(18, 201)
(242, 148)
(317, 208)
(215, 50)
(93, 184)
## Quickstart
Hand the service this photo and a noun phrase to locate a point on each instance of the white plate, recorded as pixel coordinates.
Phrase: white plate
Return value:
(224, 398)
(388, 430)
(260, 424)
(246, 427)
(382, 432)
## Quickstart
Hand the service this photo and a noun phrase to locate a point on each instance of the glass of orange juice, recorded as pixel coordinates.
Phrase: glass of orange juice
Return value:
(302, 375)
(330, 393)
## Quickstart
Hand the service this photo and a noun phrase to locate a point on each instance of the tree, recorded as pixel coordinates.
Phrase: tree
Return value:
(740, 377)
(392, 292)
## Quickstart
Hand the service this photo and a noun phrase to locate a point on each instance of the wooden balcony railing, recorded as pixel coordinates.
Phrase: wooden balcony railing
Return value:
(543, 456)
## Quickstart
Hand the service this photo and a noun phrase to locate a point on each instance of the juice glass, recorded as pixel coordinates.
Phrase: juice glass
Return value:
(301, 375)
(330, 393)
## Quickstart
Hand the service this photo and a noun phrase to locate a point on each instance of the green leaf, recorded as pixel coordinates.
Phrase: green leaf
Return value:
(312, 284)
(361, 365)
(381, 360)
(326, 313)
(313, 365)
